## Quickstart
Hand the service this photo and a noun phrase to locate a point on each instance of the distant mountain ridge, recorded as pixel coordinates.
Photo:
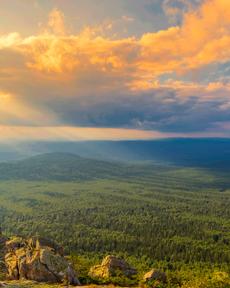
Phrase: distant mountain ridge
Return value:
(58, 166)
(207, 153)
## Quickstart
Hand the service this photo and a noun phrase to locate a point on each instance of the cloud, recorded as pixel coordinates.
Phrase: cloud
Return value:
(93, 79)
(57, 22)
(10, 40)
(172, 107)
(202, 39)
(175, 9)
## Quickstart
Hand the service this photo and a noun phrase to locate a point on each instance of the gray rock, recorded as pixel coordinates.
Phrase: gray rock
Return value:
(112, 266)
(39, 260)
(155, 274)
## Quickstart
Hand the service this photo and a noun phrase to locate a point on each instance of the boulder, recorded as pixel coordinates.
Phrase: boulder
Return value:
(112, 266)
(155, 274)
(38, 259)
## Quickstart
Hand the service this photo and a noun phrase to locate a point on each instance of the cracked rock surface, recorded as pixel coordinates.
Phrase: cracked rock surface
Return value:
(39, 260)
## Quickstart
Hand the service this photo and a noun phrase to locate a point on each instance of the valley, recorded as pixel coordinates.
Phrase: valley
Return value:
(172, 218)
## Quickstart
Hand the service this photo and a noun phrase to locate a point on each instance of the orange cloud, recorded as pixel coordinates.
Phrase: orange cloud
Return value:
(52, 53)
(202, 39)
(57, 22)
(10, 41)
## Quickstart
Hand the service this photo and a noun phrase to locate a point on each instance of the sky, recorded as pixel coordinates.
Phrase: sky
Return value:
(114, 69)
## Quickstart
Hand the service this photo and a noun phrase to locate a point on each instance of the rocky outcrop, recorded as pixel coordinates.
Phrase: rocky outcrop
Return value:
(38, 259)
(155, 274)
(112, 266)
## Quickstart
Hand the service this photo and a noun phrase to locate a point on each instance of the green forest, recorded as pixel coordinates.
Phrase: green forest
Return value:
(173, 218)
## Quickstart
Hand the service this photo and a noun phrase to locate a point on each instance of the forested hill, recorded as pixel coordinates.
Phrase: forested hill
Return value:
(59, 166)
(71, 167)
